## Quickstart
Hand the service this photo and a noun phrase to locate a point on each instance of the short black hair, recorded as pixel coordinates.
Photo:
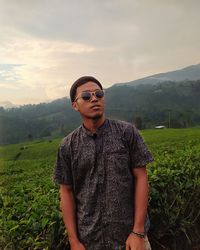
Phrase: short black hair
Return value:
(82, 80)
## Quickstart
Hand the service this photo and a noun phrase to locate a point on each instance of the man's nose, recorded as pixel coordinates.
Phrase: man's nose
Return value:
(94, 98)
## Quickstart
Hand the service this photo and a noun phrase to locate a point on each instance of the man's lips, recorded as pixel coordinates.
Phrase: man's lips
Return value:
(95, 106)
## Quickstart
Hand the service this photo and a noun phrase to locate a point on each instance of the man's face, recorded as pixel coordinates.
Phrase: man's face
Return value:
(93, 108)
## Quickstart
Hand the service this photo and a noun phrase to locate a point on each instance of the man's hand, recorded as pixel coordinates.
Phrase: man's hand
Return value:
(134, 242)
(77, 245)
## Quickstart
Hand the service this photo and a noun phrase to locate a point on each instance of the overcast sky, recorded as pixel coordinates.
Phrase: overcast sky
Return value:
(46, 45)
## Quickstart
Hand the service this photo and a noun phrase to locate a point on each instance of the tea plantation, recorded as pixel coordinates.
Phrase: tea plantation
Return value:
(29, 200)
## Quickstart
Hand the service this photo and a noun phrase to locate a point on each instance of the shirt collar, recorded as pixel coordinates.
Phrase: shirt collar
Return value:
(99, 129)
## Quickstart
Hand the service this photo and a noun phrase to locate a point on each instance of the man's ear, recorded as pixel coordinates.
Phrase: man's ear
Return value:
(75, 106)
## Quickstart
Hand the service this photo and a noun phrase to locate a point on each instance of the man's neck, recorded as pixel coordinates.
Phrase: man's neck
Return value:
(93, 124)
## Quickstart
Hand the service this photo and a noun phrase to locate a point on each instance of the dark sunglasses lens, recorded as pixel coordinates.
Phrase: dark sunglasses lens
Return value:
(99, 93)
(86, 96)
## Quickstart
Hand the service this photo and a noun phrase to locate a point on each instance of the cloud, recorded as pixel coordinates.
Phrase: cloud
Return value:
(27, 49)
(37, 63)
(8, 76)
(57, 41)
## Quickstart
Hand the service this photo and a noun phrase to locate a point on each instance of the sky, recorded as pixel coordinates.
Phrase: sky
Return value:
(46, 45)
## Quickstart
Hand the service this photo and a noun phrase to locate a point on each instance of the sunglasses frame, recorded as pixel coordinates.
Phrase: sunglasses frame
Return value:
(92, 93)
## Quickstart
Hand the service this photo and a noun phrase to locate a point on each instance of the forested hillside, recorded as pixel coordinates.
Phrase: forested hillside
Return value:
(172, 104)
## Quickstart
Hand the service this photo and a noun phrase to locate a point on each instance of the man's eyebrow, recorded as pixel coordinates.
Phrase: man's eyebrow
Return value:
(90, 90)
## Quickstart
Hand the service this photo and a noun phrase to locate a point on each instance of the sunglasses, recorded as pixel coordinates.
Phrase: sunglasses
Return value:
(87, 95)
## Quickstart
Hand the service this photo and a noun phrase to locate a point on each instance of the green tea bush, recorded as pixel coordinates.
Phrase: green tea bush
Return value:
(175, 196)
(29, 200)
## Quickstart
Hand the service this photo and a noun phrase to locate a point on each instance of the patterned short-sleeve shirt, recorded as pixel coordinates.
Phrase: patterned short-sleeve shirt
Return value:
(98, 167)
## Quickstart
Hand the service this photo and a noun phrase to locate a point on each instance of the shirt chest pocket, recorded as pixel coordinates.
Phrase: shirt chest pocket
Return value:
(117, 153)
(115, 147)
(118, 162)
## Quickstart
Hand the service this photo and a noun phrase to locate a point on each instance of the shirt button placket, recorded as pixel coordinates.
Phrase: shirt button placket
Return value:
(101, 193)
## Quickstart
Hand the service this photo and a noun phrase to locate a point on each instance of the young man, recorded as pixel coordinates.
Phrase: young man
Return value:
(101, 171)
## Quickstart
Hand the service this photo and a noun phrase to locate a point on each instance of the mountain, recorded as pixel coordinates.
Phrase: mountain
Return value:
(170, 99)
(171, 104)
(7, 105)
(189, 73)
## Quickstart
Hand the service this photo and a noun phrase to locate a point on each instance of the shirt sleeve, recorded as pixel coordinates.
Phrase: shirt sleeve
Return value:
(139, 153)
(62, 171)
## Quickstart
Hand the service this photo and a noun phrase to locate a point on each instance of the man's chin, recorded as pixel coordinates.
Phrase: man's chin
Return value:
(97, 116)
(94, 116)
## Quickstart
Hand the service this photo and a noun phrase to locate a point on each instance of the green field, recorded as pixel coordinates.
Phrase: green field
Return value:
(29, 200)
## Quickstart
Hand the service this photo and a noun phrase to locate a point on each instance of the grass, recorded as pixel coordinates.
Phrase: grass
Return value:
(29, 200)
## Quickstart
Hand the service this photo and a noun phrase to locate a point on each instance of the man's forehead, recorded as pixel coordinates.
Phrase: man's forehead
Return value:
(89, 86)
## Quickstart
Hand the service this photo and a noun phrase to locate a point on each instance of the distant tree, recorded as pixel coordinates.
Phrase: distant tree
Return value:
(62, 129)
(138, 122)
(30, 137)
(45, 133)
(1, 110)
(182, 120)
(175, 123)
(169, 110)
(185, 118)
(188, 118)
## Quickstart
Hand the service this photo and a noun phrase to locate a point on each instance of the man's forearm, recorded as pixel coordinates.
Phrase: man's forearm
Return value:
(68, 208)
(141, 199)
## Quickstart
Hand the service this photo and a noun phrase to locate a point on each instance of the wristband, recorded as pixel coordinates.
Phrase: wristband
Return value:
(141, 235)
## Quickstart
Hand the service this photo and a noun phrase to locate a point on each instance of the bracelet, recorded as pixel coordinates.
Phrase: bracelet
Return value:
(141, 235)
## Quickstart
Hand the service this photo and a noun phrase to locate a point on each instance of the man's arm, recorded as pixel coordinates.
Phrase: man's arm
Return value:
(141, 198)
(140, 208)
(68, 208)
